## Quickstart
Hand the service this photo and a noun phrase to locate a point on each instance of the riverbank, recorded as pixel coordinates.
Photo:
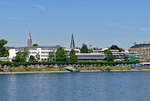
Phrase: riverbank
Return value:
(34, 72)
(133, 70)
(82, 71)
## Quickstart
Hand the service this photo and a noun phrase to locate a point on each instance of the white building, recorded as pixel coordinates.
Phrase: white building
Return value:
(118, 55)
(41, 51)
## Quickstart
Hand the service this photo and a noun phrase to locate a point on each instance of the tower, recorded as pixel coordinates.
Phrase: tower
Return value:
(72, 45)
(29, 40)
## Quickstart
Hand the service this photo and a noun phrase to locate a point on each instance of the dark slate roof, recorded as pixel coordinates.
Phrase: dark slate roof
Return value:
(140, 45)
(34, 47)
(114, 47)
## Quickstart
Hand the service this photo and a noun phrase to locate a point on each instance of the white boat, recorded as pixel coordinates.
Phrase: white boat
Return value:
(71, 69)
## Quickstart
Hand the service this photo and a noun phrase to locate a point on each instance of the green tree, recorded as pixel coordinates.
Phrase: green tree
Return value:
(84, 49)
(35, 45)
(95, 48)
(37, 57)
(60, 54)
(51, 57)
(3, 49)
(26, 52)
(32, 59)
(21, 56)
(109, 55)
(90, 51)
(122, 50)
(73, 57)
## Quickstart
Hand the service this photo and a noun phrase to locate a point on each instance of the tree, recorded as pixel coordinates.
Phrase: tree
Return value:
(26, 52)
(51, 56)
(3, 49)
(122, 50)
(60, 54)
(35, 45)
(109, 55)
(95, 48)
(37, 56)
(21, 56)
(90, 51)
(32, 59)
(84, 49)
(73, 57)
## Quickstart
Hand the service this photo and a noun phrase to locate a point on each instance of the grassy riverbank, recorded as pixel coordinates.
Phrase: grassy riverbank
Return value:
(23, 70)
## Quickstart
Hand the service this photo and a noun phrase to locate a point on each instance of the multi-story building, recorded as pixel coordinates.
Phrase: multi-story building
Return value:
(41, 51)
(116, 52)
(134, 56)
(143, 50)
(99, 54)
(90, 56)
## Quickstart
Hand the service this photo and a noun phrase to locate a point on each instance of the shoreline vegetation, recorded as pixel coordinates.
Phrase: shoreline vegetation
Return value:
(46, 70)
(58, 67)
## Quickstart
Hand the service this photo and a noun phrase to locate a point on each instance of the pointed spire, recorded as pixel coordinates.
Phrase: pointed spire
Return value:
(30, 35)
(72, 45)
(30, 40)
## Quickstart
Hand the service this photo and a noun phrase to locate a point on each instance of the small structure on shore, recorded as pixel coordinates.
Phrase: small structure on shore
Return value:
(71, 69)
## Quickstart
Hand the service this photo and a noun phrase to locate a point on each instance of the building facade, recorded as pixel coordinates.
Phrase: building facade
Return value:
(42, 52)
(143, 50)
(90, 56)
(117, 54)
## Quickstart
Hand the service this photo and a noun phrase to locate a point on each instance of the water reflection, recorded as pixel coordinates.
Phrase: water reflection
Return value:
(112, 86)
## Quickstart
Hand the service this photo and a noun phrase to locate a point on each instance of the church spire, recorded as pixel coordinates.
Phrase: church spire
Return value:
(72, 45)
(30, 35)
(29, 40)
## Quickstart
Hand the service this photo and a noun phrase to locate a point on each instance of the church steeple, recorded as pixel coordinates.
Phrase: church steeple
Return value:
(72, 45)
(29, 40)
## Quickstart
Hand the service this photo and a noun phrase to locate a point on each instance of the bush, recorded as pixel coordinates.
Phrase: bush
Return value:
(1, 70)
(107, 69)
(28, 69)
(11, 70)
(102, 63)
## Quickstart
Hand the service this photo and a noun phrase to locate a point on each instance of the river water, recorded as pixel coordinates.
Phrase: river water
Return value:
(100, 86)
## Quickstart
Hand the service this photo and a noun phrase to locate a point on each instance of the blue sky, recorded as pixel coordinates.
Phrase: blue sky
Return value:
(100, 23)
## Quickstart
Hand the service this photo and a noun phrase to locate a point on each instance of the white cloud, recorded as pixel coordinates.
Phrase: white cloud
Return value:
(40, 7)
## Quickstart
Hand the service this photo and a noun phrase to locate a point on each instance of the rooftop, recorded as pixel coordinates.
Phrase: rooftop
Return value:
(140, 45)
(56, 46)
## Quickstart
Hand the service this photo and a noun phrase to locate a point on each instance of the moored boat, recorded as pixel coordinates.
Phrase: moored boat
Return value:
(71, 69)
